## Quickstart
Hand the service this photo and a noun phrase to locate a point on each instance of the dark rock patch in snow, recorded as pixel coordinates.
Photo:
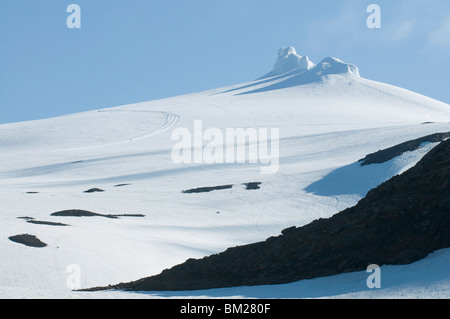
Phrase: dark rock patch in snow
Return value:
(86, 213)
(94, 190)
(121, 185)
(76, 213)
(28, 240)
(206, 189)
(249, 186)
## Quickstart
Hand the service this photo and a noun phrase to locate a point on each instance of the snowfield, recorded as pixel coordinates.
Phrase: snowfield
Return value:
(326, 123)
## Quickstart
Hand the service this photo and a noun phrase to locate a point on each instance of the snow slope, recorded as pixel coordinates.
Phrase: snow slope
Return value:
(327, 121)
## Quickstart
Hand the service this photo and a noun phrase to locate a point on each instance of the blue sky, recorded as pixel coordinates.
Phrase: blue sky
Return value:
(138, 50)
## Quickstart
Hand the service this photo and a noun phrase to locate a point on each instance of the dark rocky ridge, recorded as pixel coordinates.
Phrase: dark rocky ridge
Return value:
(252, 185)
(41, 222)
(387, 154)
(79, 213)
(248, 186)
(399, 222)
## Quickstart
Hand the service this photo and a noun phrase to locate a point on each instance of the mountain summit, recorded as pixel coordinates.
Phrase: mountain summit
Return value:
(290, 63)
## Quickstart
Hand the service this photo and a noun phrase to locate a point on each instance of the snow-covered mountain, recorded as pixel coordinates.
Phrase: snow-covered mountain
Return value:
(328, 117)
(289, 61)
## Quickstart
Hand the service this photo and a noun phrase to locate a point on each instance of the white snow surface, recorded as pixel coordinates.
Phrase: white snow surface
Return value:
(289, 61)
(325, 126)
